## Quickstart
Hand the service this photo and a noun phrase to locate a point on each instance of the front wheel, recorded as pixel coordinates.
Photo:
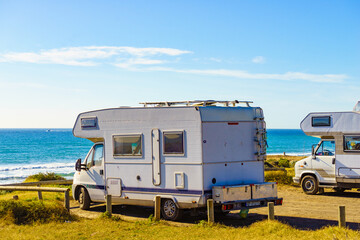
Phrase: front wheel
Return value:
(309, 185)
(170, 211)
(84, 199)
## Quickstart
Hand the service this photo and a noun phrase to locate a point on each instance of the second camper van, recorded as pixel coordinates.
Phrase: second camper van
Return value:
(335, 160)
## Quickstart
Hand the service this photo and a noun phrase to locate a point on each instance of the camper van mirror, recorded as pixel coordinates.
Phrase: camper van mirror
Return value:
(78, 165)
(313, 150)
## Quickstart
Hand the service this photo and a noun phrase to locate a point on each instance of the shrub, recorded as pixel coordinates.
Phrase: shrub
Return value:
(22, 212)
(278, 176)
(43, 177)
(284, 163)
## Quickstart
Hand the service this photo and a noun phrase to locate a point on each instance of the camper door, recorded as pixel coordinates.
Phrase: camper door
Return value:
(93, 177)
(348, 164)
(324, 160)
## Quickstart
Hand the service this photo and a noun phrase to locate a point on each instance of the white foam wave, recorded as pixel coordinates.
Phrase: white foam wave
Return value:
(290, 154)
(17, 173)
(36, 166)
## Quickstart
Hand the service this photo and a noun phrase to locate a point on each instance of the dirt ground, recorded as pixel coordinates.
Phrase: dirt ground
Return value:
(298, 210)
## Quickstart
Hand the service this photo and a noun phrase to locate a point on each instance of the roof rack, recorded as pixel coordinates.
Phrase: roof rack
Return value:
(196, 103)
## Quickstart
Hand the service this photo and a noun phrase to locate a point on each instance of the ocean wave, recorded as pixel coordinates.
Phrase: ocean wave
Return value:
(37, 166)
(18, 173)
(290, 154)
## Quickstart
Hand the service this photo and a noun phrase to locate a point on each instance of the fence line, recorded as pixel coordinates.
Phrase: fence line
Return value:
(41, 189)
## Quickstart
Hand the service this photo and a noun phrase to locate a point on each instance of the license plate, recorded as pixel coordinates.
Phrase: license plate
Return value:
(252, 204)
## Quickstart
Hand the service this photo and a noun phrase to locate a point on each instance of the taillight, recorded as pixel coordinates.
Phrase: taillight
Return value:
(227, 207)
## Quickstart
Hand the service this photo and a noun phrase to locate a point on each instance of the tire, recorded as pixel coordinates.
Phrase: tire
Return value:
(170, 211)
(84, 199)
(309, 185)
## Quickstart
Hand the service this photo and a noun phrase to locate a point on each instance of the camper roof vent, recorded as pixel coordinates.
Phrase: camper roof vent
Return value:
(197, 103)
(357, 107)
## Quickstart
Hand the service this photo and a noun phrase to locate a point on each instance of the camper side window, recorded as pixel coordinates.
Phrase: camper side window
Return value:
(321, 121)
(127, 145)
(351, 143)
(173, 143)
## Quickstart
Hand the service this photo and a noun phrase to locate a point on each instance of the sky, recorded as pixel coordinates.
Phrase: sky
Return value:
(60, 58)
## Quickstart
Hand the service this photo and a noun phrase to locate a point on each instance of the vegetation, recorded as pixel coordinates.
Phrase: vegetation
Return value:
(105, 228)
(284, 175)
(43, 177)
(25, 212)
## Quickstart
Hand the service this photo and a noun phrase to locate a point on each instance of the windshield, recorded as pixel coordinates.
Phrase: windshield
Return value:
(327, 148)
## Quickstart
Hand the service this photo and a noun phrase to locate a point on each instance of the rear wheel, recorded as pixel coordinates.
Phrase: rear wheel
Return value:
(309, 185)
(169, 210)
(84, 199)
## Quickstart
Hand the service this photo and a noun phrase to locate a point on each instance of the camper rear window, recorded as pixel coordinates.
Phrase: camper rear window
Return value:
(129, 145)
(352, 143)
(173, 142)
(321, 121)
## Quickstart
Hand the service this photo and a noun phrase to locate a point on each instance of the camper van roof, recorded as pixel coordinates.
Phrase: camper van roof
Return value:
(197, 103)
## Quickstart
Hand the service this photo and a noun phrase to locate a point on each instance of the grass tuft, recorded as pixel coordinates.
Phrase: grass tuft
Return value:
(281, 177)
(24, 212)
(43, 177)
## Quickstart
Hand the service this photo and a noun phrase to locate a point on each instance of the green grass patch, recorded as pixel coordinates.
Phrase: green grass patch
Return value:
(43, 177)
(29, 212)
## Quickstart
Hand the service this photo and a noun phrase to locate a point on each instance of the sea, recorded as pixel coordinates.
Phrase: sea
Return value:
(24, 152)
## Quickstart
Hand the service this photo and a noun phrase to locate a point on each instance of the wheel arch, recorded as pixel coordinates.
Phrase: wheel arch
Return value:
(163, 197)
(77, 192)
(309, 174)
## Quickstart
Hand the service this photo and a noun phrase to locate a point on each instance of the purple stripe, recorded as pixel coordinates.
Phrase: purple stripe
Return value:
(162, 190)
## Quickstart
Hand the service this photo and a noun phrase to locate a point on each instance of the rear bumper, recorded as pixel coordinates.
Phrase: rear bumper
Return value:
(251, 203)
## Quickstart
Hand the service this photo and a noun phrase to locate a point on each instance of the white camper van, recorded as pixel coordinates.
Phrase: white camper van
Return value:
(335, 160)
(184, 152)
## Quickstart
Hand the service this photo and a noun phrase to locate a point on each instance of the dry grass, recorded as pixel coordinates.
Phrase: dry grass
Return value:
(109, 229)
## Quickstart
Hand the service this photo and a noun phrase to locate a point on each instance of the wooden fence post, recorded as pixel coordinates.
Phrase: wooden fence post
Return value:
(108, 204)
(67, 200)
(342, 220)
(157, 208)
(210, 210)
(271, 214)
(40, 193)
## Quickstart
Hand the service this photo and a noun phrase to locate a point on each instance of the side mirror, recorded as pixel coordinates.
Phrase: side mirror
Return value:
(78, 165)
(313, 151)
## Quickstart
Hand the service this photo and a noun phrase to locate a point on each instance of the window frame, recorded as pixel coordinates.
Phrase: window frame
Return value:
(103, 155)
(128, 155)
(320, 145)
(92, 152)
(344, 143)
(327, 125)
(183, 142)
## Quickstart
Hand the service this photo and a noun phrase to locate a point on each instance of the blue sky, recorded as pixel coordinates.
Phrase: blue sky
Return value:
(60, 58)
